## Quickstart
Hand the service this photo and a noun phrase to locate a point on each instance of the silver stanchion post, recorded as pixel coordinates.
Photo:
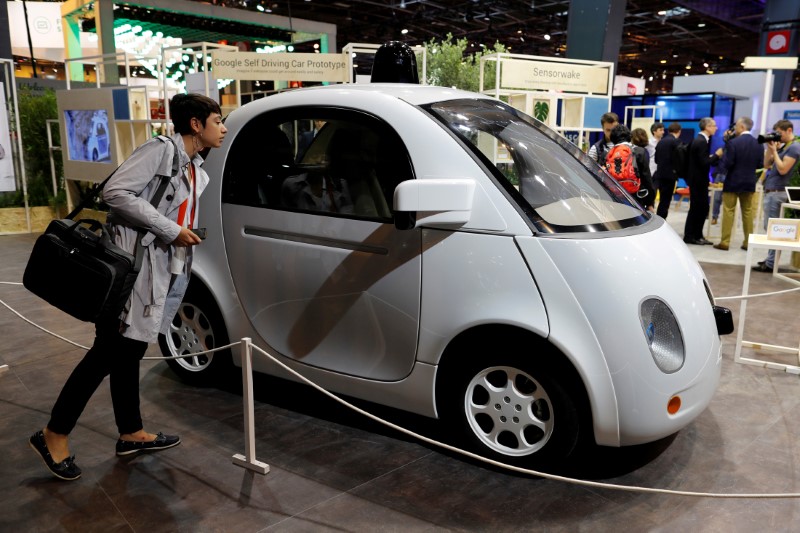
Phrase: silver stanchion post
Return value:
(249, 459)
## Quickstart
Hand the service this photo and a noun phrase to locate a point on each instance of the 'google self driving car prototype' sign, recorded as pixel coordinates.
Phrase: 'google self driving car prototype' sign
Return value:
(256, 66)
(552, 76)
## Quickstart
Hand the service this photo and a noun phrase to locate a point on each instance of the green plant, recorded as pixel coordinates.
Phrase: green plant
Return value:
(34, 110)
(451, 65)
(541, 110)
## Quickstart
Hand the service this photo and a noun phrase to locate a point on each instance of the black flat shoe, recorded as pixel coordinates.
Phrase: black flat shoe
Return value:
(66, 469)
(162, 442)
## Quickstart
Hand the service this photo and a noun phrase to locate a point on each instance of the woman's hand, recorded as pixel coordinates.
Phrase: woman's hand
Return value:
(186, 238)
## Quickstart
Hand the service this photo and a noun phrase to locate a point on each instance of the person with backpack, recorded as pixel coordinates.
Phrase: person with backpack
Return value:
(599, 149)
(666, 175)
(700, 163)
(627, 163)
(782, 163)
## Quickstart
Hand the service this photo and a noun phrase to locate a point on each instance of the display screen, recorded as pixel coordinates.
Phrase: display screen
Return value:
(794, 194)
(87, 135)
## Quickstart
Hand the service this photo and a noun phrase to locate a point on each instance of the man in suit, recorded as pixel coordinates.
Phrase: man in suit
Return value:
(700, 162)
(741, 157)
(665, 177)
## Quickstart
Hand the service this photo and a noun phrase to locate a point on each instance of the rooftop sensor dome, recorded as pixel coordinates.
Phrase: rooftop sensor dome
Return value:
(395, 63)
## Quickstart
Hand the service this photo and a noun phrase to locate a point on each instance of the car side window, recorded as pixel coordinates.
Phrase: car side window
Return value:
(328, 161)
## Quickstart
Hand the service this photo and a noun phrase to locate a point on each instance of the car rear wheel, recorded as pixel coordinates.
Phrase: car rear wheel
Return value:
(197, 327)
(514, 411)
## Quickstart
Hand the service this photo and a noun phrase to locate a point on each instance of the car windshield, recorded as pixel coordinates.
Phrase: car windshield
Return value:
(559, 188)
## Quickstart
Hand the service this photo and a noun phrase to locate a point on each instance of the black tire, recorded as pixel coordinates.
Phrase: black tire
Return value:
(513, 410)
(197, 327)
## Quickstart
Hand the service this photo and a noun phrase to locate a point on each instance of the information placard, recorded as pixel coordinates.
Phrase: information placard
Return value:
(783, 229)
(552, 76)
(282, 67)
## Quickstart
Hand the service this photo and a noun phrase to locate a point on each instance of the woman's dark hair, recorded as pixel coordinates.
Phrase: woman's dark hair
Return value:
(620, 134)
(639, 137)
(184, 107)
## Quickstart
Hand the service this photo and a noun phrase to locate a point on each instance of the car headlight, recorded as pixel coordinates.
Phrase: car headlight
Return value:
(663, 335)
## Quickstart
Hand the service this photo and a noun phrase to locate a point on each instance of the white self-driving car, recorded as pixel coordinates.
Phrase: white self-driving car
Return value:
(438, 251)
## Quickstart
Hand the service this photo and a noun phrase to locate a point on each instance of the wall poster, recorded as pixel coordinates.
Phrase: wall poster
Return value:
(7, 181)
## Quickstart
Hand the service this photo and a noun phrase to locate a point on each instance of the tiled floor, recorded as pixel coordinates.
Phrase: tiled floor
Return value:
(333, 470)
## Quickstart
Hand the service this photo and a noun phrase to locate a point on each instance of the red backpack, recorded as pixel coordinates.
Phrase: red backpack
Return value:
(621, 164)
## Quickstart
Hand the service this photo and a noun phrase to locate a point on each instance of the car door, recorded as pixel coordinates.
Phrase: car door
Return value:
(321, 271)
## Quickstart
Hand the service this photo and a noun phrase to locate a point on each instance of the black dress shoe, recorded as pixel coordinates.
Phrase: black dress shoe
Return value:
(705, 241)
(161, 442)
(66, 469)
(762, 267)
(694, 241)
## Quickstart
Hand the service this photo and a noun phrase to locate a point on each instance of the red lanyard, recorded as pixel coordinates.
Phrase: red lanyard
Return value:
(182, 208)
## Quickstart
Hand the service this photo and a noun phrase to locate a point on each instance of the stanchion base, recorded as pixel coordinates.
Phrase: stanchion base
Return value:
(255, 466)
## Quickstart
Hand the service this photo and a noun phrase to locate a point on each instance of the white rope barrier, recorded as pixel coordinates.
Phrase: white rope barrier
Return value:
(249, 461)
(759, 295)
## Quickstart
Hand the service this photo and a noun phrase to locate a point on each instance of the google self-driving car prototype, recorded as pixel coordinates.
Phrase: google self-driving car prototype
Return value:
(440, 252)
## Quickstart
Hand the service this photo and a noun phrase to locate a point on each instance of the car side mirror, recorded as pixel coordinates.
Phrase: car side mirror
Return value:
(434, 203)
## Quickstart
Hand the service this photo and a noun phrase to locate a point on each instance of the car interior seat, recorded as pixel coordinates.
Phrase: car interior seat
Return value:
(353, 156)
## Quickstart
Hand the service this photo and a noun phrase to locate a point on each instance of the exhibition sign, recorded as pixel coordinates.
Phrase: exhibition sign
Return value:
(280, 67)
(783, 229)
(551, 76)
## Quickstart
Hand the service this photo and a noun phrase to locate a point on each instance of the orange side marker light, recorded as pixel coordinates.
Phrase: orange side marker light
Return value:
(674, 405)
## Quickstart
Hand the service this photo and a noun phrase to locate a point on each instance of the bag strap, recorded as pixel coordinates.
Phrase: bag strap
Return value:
(162, 187)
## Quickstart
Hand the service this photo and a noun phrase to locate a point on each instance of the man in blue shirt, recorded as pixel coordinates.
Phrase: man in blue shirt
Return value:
(781, 163)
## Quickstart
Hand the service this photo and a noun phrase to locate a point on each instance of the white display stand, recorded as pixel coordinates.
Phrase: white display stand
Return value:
(644, 122)
(760, 242)
(567, 106)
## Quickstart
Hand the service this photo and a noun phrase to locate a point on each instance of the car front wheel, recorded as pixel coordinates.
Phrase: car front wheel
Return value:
(514, 412)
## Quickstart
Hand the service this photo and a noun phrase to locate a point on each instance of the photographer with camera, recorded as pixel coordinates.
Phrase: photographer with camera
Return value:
(740, 160)
(781, 163)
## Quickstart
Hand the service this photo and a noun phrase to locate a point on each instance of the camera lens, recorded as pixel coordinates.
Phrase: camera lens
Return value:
(769, 137)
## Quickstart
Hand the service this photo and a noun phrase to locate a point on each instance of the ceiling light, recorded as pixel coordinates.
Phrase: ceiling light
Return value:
(705, 65)
(662, 12)
(404, 31)
(701, 25)
(546, 36)
(663, 61)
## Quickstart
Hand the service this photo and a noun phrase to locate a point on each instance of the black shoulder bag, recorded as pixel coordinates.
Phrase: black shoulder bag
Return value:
(76, 267)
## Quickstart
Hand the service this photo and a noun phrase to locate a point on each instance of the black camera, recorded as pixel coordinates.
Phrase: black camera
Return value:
(729, 134)
(769, 137)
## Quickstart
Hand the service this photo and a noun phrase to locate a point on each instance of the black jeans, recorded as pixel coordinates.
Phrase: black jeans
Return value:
(665, 190)
(111, 355)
